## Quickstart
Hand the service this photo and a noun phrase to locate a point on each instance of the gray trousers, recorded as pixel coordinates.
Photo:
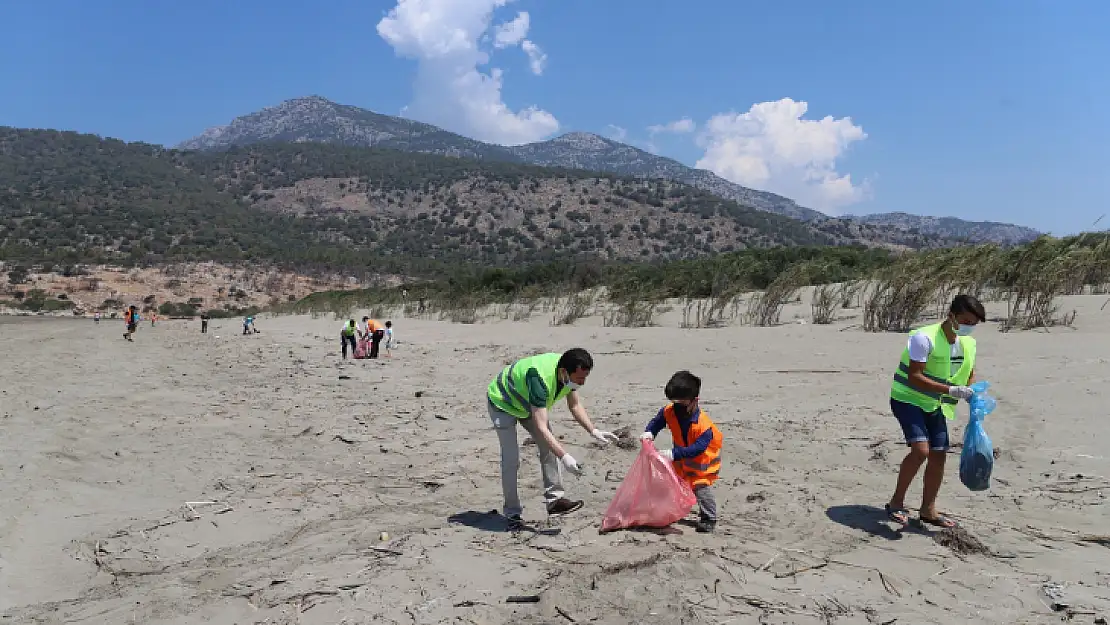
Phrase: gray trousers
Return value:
(707, 501)
(505, 426)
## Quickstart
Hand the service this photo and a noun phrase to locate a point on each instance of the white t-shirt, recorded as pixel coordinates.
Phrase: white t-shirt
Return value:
(921, 345)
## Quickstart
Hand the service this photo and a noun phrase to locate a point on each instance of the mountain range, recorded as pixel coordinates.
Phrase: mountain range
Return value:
(317, 119)
(71, 198)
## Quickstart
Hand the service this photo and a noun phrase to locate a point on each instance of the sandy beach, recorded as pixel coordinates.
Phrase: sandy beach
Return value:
(227, 479)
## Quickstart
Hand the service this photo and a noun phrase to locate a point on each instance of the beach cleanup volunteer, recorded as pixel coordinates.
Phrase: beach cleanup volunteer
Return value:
(936, 371)
(697, 443)
(375, 333)
(347, 337)
(131, 318)
(523, 393)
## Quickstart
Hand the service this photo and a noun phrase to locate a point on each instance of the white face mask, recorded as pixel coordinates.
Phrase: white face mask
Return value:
(961, 329)
(574, 386)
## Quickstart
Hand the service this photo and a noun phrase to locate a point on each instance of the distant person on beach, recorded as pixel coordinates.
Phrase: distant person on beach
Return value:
(388, 339)
(248, 325)
(524, 393)
(131, 319)
(936, 371)
(697, 443)
(96, 317)
(204, 322)
(153, 318)
(376, 333)
(347, 336)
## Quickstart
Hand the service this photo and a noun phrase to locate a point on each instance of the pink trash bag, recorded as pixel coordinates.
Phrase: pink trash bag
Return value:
(651, 495)
(362, 349)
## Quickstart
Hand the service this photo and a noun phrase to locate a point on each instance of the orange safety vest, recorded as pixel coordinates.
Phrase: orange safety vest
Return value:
(704, 468)
(372, 326)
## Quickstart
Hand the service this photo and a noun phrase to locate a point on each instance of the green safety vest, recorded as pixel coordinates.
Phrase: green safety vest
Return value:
(509, 392)
(348, 330)
(939, 369)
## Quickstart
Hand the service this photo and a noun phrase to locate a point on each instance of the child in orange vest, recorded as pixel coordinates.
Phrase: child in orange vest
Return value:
(697, 443)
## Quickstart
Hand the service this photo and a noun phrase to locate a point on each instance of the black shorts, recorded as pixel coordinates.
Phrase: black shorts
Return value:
(132, 326)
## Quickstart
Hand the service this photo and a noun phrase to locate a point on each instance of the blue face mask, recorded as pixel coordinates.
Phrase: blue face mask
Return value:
(965, 330)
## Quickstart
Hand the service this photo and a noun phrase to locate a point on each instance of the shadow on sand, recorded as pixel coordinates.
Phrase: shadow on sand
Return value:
(865, 519)
(493, 521)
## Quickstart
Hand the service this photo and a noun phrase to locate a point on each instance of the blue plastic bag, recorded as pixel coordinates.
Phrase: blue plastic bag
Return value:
(977, 457)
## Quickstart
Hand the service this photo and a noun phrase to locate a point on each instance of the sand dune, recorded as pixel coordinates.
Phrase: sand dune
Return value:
(189, 478)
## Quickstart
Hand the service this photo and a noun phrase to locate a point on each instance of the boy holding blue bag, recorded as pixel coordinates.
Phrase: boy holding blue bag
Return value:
(936, 371)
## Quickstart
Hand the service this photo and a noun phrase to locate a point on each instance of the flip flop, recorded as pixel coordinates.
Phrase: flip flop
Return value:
(940, 521)
(900, 516)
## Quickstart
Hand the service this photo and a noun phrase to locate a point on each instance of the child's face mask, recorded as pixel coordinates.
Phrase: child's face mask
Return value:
(685, 409)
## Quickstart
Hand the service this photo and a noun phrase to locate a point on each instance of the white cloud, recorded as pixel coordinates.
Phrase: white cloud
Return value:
(450, 90)
(537, 58)
(678, 127)
(771, 147)
(616, 133)
(512, 33)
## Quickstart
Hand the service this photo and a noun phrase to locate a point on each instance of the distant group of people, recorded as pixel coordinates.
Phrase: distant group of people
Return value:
(132, 317)
(365, 338)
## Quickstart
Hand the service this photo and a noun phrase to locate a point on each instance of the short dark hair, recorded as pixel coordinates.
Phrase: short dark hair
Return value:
(574, 359)
(389, 324)
(683, 385)
(968, 304)
(366, 318)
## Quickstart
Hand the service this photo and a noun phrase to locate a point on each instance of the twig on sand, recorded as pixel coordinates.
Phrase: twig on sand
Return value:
(767, 606)
(388, 552)
(833, 371)
(886, 584)
(126, 532)
(882, 577)
(1075, 491)
(191, 505)
(564, 614)
(1098, 540)
(768, 564)
(633, 565)
(522, 556)
(813, 567)
(1034, 532)
(728, 570)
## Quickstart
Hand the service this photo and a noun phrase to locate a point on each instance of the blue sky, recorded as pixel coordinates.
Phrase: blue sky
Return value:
(981, 110)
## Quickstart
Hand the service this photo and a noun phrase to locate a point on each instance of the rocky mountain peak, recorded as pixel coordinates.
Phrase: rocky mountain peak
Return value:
(317, 119)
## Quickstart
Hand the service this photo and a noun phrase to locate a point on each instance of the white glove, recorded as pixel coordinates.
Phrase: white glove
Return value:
(667, 455)
(570, 464)
(603, 437)
(646, 436)
(961, 392)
